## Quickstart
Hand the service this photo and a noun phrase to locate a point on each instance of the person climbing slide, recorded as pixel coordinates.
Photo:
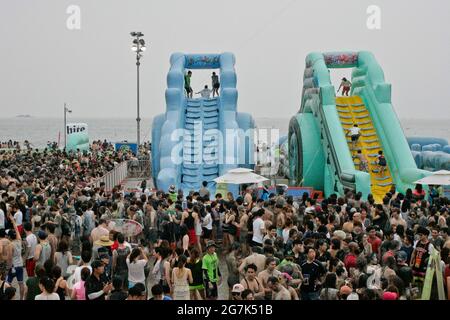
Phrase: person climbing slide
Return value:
(354, 133)
(345, 85)
(381, 162)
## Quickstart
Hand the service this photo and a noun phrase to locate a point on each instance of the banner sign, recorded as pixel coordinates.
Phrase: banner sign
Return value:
(125, 146)
(296, 192)
(77, 137)
(222, 188)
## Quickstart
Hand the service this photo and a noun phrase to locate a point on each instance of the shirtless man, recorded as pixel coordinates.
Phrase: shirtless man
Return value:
(270, 271)
(251, 281)
(5, 252)
(363, 163)
(255, 258)
(278, 291)
(243, 233)
(445, 234)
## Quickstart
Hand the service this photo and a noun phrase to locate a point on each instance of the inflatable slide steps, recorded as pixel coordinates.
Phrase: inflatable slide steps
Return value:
(200, 143)
(352, 110)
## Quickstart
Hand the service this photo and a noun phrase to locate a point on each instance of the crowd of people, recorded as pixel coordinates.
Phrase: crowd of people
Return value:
(56, 238)
(10, 144)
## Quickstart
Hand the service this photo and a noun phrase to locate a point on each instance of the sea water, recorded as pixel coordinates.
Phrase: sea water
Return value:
(41, 130)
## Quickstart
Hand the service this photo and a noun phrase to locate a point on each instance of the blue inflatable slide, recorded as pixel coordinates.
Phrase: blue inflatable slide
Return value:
(198, 140)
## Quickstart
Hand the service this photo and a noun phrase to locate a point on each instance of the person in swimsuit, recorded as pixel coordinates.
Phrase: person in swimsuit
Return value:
(197, 287)
(188, 219)
(251, 282)
(363, 164)
(345, 85)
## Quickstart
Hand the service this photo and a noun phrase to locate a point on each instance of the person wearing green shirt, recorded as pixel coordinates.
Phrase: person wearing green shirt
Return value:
(187, 84)
(173, 195)
(210, 266)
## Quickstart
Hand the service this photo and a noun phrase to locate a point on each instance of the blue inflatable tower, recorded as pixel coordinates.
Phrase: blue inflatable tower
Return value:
(198, 140)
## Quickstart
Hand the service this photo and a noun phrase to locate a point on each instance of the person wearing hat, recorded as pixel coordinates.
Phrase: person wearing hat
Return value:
(211, 271)
(236, 291)
(420, 255)
(102, 245)
(96, 287)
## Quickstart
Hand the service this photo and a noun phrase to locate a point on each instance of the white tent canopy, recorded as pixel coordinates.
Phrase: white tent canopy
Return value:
(240, 176)
(441, 177)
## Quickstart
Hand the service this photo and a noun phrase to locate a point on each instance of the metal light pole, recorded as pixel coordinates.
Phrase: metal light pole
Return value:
(65, 123)
(138, 46)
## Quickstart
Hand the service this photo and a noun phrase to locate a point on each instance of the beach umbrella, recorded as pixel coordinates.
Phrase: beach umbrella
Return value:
(441, 177)
(240, 176)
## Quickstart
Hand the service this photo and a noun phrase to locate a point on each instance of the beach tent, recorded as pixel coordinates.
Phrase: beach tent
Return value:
(441, 178)
(240, 176)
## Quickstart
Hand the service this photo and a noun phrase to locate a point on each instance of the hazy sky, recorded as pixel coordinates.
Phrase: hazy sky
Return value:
(44, 64)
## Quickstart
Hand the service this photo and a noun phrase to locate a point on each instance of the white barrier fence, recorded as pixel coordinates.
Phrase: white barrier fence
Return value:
(114, 177)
